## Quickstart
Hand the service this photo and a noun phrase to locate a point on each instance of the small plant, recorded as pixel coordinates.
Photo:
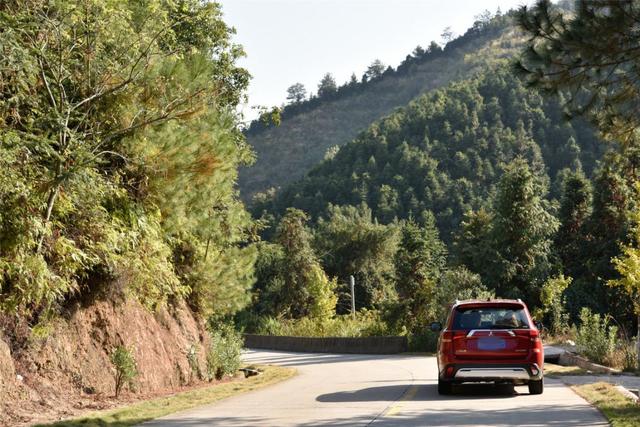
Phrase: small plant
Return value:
(553, 304)
(194, 364)
(223, 357)
(125, 367)
(596, 338)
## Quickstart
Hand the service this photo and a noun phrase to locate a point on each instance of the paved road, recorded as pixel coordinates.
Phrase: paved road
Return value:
(359, 390)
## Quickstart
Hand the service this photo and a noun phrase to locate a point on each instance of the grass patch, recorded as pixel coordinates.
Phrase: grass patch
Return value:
(155, 408)
(621, 411)
(553, 370)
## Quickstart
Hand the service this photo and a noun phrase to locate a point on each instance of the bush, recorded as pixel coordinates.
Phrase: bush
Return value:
(553, 304)
(125, 367)
(366, 323)
(194, 364)
(426, 341)
(596, 338)
(223, 357)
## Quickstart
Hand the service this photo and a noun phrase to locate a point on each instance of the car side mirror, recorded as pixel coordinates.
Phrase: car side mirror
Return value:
(538, 324)
(436, 326)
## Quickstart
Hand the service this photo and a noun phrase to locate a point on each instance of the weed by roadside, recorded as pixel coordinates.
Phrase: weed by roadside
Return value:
(154, 408)
(619, 410)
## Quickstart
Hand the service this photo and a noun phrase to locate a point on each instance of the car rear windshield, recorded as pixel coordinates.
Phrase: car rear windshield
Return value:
(490, 318)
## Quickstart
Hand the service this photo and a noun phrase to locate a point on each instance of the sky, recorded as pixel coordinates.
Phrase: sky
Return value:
(290, 41)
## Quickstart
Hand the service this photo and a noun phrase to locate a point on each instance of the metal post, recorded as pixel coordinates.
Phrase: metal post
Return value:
(353, 296)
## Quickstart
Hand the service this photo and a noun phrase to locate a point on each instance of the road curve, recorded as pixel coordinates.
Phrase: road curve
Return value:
(383, 390)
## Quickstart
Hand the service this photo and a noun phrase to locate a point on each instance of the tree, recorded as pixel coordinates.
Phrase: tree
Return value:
(375, 70)
(627, 264)
(575, 210)
(296, 93)
(120, 143)
(305, 289)
(521, 234)
(591, 56)
(351, 242)
(447, 35)
(327, 86)
(473, 247)
(420, 258)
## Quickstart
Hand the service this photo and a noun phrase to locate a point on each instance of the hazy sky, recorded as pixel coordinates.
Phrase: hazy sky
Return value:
(289, 41)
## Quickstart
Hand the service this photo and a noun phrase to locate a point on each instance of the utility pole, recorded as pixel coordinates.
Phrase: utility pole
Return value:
(353, 296)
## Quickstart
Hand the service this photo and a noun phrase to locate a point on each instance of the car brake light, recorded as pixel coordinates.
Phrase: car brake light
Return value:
(447, 336)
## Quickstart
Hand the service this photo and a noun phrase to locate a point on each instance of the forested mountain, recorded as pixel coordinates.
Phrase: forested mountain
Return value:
(310, 128)
(445, 152)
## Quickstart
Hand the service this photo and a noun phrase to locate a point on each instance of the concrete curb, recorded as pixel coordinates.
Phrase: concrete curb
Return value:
(628, 394)
(570, 359)
(361, 345)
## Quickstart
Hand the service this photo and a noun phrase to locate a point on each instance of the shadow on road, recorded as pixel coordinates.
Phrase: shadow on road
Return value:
(301, 359)
(425, 392)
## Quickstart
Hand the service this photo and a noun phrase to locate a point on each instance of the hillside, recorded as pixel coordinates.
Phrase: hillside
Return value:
(445, 152)
(285, 153)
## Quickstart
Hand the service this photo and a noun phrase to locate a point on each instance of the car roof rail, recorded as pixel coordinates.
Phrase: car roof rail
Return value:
(519, 300)
(457, 301)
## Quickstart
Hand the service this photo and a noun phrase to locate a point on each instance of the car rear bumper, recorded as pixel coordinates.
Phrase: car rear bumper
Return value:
(479, 373)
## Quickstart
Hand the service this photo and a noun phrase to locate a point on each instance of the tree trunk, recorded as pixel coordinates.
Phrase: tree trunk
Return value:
(50, 202)
(638, 343)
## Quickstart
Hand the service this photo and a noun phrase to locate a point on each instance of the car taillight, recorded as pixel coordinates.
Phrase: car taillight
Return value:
(534, 336)
(447, 336)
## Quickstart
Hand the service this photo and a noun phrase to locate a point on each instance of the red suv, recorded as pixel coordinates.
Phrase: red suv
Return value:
(493, 340)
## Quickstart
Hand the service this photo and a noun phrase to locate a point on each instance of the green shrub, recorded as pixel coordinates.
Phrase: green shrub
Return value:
(223, 357)
(125, 367)
(366, 323)
(596, 338)
(630, 355)
(426, 341)
(553, 304)
(194, 364)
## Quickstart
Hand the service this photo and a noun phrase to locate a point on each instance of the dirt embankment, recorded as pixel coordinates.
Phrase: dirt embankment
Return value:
(67, 370)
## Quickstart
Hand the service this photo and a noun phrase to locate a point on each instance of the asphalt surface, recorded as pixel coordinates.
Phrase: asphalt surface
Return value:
(394, 390)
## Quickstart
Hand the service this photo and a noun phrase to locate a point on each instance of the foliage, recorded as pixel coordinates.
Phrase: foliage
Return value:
(596, 337)
(522, 232)
(627, 264)
(321, 291)
(365, 323)
(445, 152)
(223, 355)
(349, 242)
(511, 246)
(125, 368)
(290, 281)
(552, 302)
(287, 152)
(458, 283)
(589, 53)
(420, 258)
(194, 364)
(296, 93)
(151, 409)
(119, 149)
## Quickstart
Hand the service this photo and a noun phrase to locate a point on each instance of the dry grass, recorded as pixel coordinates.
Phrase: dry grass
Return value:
(621, 411)
(154, 408)
(553, 370)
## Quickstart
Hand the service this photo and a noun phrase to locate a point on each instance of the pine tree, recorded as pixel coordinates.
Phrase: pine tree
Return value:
(522, 234)
(589, 53)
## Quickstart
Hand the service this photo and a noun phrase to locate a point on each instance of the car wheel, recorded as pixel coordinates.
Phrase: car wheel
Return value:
(444, 387)
(536, 387)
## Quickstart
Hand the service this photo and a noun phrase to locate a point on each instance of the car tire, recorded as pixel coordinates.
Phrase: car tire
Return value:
(536, 387)
(444, 387)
